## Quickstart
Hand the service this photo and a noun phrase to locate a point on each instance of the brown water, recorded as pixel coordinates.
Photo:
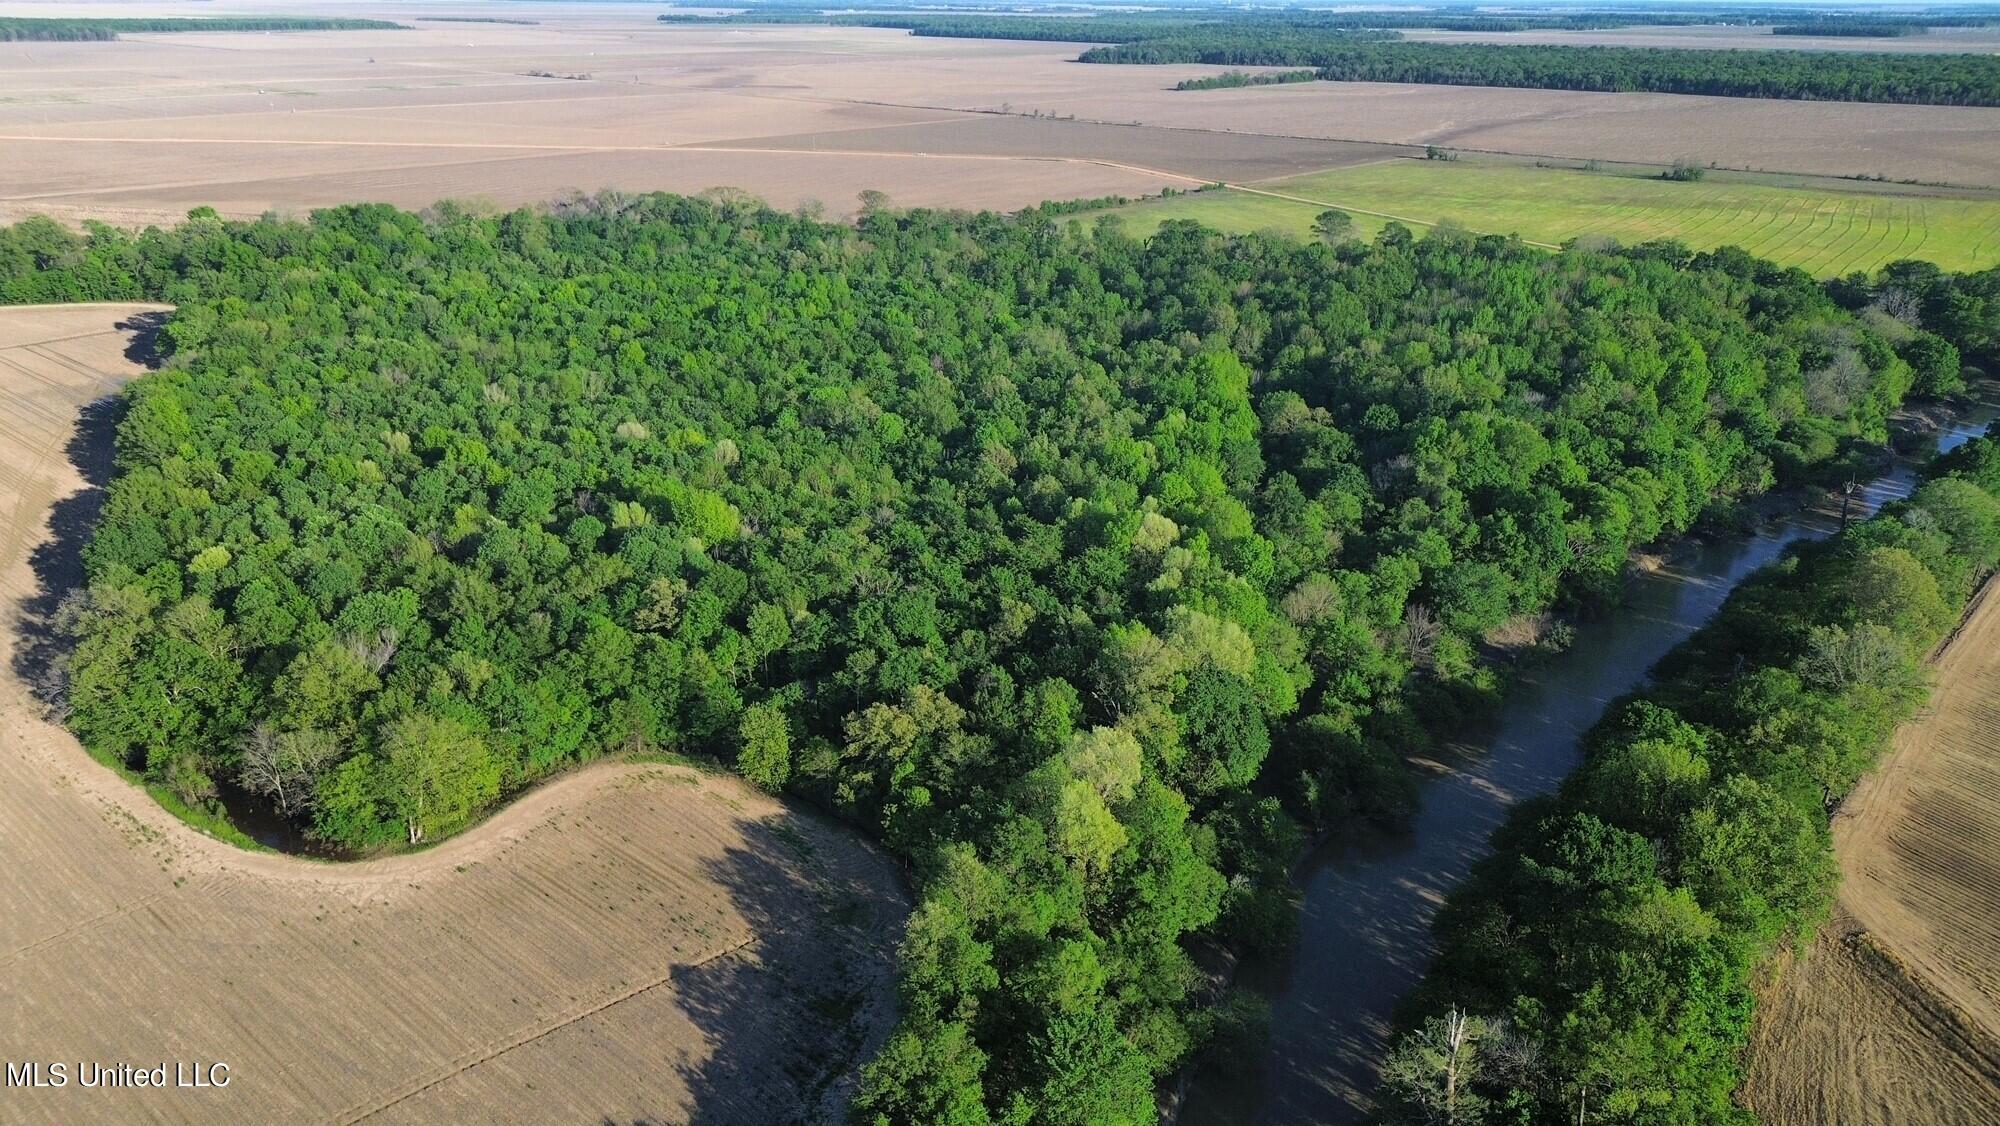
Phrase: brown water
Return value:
(1364, 930)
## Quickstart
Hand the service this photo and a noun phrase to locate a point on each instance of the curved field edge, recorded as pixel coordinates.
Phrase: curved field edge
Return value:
(1826, 231)
(627, 942)
(1891, 1013)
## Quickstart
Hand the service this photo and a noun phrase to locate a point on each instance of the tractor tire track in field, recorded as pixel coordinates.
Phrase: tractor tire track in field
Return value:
(539, 1032)
(1758, 224)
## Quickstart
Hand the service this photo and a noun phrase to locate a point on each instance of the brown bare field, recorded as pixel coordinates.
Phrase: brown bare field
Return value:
(629, 942)
(142, 129)
(1893, 1014)
(248, 180)
(1197, 154)
(1943, 144)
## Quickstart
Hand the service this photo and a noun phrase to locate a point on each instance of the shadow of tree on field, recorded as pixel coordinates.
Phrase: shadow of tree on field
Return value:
(791, 1017)
(57, 562)
(144, 346)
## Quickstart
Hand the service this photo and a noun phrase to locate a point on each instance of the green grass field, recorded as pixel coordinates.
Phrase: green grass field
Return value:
(1823, 230)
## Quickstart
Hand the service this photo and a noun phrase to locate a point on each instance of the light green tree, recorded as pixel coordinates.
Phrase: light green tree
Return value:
(438, 773)
(764, 746)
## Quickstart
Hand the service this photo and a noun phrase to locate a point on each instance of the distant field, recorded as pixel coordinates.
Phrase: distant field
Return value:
(143, 130)
(1825, 231)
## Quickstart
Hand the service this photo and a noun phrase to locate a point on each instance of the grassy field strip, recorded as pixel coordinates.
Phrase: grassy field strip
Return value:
(1857, 241)
(1839, 249)
(1791, 213)
(1989, 242)
(1826, 222)
(1825, 232)
(1384, 215)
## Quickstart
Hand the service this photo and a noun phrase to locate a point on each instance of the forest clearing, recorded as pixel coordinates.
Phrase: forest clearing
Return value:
(651, 936)
(1827, 229)
(1893, 1013)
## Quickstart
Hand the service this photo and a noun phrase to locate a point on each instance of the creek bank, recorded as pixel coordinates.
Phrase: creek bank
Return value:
(1368, 895)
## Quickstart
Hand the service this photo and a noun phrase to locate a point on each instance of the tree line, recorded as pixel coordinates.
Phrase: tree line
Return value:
(74, 29)
(1088, 574)
(1127, 26)
(1123, 28)
(1851, 76)
(1889, 25)
(1237, 79)
(1600, 967)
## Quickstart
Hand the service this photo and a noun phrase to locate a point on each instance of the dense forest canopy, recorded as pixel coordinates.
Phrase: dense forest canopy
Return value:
(80, 28)
(1850, 76)
(1088, 573)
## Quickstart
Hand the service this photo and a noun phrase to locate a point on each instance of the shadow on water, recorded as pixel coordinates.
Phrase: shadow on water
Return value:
(1368, 898)
(789, 1018)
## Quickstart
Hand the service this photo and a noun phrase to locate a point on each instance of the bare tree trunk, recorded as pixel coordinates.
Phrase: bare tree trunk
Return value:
(1454, 1039)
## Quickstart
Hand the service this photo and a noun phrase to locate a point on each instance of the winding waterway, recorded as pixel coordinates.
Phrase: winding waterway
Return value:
(1364, 931)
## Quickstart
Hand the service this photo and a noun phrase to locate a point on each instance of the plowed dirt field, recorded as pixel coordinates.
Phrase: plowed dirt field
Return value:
(1893, 1014)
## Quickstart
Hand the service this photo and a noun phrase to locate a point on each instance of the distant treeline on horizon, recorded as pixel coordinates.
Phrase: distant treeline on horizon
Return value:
(24, 28)
(1111, 25)
(1919, 79)
(1367, 47)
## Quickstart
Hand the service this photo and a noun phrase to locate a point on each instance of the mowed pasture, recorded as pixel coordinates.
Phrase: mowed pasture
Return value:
(599, 96)
(1893, 1014)
(1825, 229)
(628, 943)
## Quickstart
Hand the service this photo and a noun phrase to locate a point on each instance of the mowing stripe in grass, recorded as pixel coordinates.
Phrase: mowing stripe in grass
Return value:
(1772, 212)
(1827, 246)
(1827, 232)
(1857, 241)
